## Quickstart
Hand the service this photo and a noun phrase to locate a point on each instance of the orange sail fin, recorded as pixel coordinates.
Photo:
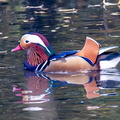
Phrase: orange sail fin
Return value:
(90, 50)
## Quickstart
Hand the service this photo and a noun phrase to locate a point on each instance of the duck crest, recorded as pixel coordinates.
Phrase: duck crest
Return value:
(42, 37)
(45, 41)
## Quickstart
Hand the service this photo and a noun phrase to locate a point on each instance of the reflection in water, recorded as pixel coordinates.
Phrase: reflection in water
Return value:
(37, 96)
(88, 80)
(40, 87)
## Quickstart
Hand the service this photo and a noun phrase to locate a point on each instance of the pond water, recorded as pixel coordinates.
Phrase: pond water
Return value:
(25, 95)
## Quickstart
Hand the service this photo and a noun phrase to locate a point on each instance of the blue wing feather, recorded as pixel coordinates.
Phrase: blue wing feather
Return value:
(63, 54)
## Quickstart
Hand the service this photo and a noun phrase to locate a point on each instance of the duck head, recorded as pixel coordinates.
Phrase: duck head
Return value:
(37, 48)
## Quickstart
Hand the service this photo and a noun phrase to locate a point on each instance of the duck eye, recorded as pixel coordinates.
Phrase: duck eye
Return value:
(26, 41)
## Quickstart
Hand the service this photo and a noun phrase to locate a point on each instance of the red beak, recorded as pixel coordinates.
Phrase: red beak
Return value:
(17, 48)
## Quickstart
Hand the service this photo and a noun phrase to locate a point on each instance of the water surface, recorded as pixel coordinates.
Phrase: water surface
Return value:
(29, 96)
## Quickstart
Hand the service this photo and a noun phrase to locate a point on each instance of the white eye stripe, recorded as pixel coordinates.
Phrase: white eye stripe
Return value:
(35, 39)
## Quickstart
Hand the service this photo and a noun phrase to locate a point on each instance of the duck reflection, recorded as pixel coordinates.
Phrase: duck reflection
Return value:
(88, 80)
(38, 89)
(40, 86)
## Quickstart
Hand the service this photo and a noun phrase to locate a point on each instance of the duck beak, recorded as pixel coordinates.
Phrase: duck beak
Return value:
(17, 48)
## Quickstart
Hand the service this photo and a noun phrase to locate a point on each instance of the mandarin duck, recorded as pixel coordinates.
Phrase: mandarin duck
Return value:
(41, 58)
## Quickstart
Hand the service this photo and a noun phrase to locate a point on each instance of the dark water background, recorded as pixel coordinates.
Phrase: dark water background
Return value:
(65, 23)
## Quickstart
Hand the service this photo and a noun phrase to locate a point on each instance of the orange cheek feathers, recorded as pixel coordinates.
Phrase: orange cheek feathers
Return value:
(24, 45)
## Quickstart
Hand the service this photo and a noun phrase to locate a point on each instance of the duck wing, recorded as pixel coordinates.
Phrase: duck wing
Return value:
(90, 50)
(63, 54)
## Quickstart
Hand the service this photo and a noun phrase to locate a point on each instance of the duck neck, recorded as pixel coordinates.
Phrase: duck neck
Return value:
(36, 55)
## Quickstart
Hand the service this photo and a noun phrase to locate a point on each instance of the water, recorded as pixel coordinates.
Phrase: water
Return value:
(25, 95)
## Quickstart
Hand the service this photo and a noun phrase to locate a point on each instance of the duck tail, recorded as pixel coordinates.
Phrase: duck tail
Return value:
(110, 61)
